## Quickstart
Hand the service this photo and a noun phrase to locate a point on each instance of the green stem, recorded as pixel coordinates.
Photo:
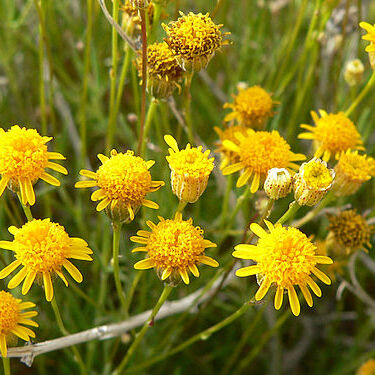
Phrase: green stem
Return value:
(163, 297)
(155, 24)
(26, 209)
(113, 76)
(116, 268)
(290, 213)
(239, 204)
(130, 293)
(255, 351)
(204, 335)
(361, 95)
(187, 109)
(144, 79)
(150, 115)
(224, 207)
(65, 332)
(86, 71)
(181, 206)
(6, 364)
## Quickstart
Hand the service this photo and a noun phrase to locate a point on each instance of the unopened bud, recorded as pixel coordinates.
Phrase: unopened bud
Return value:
(354, 72)
(278, 183)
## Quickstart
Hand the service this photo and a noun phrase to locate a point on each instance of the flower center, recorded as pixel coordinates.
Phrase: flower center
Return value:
(41, 246)
(288, 256)
(175, 244)
(23, 153)
(261, 151)
(354, 165)
(191, 163)
(124, 177)
(336, 132)
(9, 313)
(253, 102)
(317, 176)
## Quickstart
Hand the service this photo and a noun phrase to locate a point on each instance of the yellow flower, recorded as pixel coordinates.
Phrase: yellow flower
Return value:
(173, 247)
(349, 231)
(371, 38)
(42, 248)
(229, 133)
(190, 170)
(163, 72)
(258, 152)
(333, 134)
(278, 183)
(368, 368)
(352, 170)
(11, 318)
(285, 257)
(252, 107)
(312, 182)
(23, 161)
(123, 181)
(194, 39)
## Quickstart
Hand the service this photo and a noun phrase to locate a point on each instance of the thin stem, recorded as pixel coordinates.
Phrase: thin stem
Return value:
(130, 293)
(6, 364)
(116, 268)
(163, 297)
(150, 115)
(224, 207)
(361, 95)
(204, 335)
(290, 213)
(65, 332)
(144, 79)
(239, 204)
(187, 109)
(113, 76)
(181, 206)
(86, 71)
(155, 25)
(26, 209)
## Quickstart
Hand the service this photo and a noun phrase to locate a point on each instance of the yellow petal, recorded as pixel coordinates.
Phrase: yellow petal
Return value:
(194, 270)
(262, 291)
(150, 204)
(85, 184)
(29, 279)
(57, 167)
(166, 273)
(9, 269)
(321, 276)
(3, 346)
(103, 204)
(30, 194)
(55, 156)
(50, 179)
(171, 142)
(255, 184)
(73, 270)
(17, 279)
(87, 173)
(232, 168)
(293, 301)
(242, 180)
(3, 184)
(48, 288)
(279, 297)
(247, 271)
(208, 261)
(306, 293)
(258, 230)
(184, 276)
(144, 264)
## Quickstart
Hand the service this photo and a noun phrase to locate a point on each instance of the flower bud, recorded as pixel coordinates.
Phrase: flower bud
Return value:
(354, 72)
(278, 183)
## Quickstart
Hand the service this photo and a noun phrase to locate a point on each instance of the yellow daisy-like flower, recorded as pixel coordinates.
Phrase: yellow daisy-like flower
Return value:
(194, 39)
(174, 247)
(42, 248)
(368, 368)
(163, 71)
(123, 181)
(251, 107)
(23, 161)
(312, 182)
(349, 231)
(285, 257)
(258, 152)
(190, 170)
(334, 133)
(370, 36)
(229, 133)
(352, 170)
(13, 319)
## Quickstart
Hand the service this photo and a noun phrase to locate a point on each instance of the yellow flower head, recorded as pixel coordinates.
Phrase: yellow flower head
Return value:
(368, 368)
(349, 230)
(251, 107)
(229, 133)
(11, 318)
(370, 36)
(312, 182)
(333, 134)
(163, 71)
(42, 248)
(23, 161)
(190, 170)
(353, 73)
(284, 257)
(258, 152)
(352, 170)
(123, 181)
(173, 247)
(194, 39)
